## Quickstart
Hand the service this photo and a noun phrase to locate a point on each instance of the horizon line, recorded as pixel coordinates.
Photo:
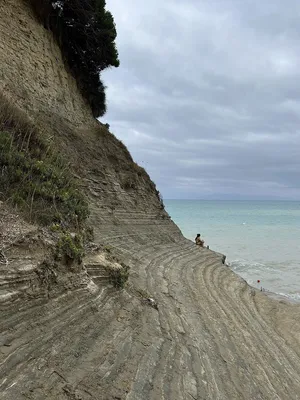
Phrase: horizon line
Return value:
(231, 199)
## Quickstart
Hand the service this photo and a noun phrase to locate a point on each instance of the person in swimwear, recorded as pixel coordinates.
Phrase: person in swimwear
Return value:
(199, 241)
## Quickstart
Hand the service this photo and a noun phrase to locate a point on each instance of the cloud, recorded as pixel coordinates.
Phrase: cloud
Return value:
(207, 97)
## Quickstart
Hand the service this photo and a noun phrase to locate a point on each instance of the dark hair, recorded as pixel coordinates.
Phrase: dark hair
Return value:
(198, 234)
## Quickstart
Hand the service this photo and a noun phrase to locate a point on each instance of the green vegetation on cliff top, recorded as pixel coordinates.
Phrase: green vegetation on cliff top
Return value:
(86, 33)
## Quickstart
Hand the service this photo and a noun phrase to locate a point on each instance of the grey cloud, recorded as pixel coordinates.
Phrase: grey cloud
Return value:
(207, 97)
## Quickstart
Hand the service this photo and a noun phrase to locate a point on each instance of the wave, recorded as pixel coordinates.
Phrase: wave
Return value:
(279, 278)
(292, 296)
(244, 265)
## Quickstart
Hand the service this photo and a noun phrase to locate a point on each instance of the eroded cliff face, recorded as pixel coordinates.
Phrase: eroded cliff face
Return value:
(34, 76)
(32, 71)
(121, 195)
(68, 334)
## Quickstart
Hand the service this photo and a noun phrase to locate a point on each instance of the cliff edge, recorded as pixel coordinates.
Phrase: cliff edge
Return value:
(76, 330)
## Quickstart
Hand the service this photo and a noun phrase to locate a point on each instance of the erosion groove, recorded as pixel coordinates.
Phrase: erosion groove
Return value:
(212, 337)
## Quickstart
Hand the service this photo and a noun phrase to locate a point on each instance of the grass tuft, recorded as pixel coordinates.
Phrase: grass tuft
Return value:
(33, 177)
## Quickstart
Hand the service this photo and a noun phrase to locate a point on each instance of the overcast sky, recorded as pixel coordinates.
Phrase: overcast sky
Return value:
(207, 96)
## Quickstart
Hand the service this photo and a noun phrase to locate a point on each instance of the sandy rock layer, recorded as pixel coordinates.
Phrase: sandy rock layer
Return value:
(212, 337)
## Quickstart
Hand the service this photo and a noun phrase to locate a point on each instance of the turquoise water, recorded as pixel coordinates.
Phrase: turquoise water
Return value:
(261, 239)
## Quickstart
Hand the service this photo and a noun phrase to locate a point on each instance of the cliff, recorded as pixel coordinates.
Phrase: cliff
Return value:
(67, 332)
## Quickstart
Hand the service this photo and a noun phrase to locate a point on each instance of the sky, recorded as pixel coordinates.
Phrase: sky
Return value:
(207, 95)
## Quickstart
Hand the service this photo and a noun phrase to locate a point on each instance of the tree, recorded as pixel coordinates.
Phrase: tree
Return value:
(86, 33)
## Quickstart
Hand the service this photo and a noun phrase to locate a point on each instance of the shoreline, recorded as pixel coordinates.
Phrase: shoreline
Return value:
(270, 294)
(281, 297)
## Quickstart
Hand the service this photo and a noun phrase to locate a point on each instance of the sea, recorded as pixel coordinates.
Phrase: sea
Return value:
(261, 239)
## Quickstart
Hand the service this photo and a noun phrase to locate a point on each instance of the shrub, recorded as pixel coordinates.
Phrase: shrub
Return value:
(119, 276)
(69, 248)
(33, 177)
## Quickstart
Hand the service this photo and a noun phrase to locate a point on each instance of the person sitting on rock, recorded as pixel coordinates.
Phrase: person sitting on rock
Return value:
(199, 241)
